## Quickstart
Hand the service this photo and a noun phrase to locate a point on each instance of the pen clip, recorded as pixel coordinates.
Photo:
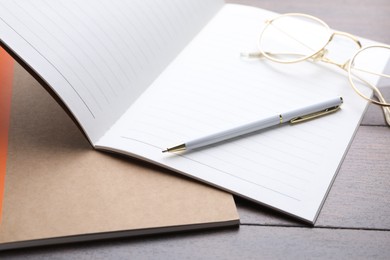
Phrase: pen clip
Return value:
(314, 115)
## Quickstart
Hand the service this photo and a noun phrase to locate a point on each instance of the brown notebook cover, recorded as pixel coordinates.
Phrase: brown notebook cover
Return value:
(59, 189)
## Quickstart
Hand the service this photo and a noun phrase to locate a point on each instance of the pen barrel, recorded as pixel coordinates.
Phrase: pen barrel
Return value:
(299, 113)
(233, 132)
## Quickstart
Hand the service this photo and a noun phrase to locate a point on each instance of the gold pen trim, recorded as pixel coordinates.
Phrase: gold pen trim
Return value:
(314, 115)
(280, 119)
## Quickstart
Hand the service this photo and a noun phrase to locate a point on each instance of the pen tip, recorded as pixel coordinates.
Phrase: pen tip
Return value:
(177, 148)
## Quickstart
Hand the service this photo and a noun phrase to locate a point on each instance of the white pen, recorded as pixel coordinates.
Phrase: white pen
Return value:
(294, 116)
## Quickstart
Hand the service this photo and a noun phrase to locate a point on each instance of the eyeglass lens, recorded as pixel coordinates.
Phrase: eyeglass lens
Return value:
(366, 75)
(293, 38)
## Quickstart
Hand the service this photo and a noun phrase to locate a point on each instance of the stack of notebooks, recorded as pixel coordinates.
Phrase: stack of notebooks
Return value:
(140, 76)
(58, 189)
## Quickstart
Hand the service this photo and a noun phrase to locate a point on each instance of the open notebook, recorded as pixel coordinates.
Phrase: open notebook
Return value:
(141, 76)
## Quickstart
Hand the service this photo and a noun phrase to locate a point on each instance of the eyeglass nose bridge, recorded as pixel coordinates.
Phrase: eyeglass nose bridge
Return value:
(319, 56)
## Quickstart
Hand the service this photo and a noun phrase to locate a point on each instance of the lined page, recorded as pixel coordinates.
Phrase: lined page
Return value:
(100, 55)
(210, 88)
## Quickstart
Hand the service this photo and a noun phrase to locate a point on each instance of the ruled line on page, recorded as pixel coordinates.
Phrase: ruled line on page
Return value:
(70, 52)
(107, 38)
(65, 62)
(242, 154)
(90, 41)
(267, 156)
(63, 76)
(101, 51)
(219, 170)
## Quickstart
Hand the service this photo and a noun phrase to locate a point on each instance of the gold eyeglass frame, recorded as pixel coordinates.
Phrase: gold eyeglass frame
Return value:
(320, 55)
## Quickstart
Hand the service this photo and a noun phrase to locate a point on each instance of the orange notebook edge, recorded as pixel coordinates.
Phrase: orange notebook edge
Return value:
(6, 81)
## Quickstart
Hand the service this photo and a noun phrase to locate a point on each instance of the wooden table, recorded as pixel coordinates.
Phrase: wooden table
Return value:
(355, 220)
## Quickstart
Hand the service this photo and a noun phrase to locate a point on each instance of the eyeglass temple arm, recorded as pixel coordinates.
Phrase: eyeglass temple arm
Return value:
(386, 110)
(259, 55)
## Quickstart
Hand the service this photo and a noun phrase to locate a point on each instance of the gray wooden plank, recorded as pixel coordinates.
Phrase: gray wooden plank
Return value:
(360, 17)
(249, 242)
(360, 194)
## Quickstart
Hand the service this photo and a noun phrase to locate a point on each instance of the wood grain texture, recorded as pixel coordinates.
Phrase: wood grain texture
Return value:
(249, 242)
(355, 220)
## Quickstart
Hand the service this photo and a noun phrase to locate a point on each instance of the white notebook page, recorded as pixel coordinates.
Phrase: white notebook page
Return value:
(209, 88)
(100, 55)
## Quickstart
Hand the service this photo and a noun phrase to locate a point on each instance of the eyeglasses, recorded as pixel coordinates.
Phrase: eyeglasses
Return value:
(295, 37)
